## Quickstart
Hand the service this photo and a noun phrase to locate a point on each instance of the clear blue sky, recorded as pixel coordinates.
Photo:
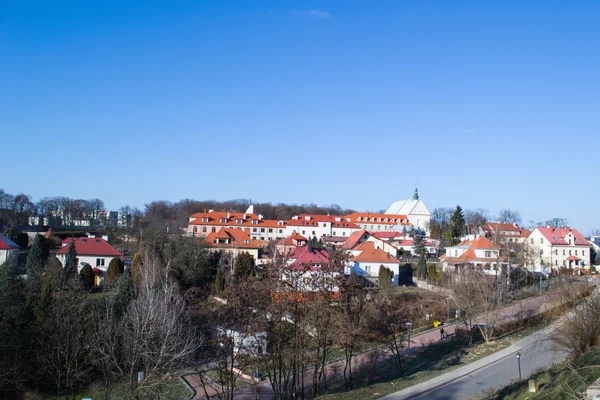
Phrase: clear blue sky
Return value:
(483, 104)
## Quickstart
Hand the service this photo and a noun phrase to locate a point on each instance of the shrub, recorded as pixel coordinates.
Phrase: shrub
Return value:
(87, 277)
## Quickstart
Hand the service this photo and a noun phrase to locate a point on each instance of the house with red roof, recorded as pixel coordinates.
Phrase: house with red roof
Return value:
(373, 222)
(93, 251)
(309, 270)
(356, 241)
(554, 248)
(8, 249)
(290, 243)
(233, 241)
(204, 223)
(479, 253)
(500, 232)
(314, 225)
(368, 258)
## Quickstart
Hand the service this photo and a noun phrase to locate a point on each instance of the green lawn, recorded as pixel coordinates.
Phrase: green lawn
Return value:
(434, 360)
(565, 381)
(174, 390)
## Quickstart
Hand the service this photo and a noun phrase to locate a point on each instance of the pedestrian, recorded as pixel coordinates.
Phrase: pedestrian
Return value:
(442, 334)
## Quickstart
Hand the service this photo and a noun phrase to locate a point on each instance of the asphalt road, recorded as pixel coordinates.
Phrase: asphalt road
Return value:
(493, 372)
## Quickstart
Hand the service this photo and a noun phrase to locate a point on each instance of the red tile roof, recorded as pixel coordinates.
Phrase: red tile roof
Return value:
(370, 254)
(292, 239)
(7, 244)
(481, 242)
(87, 246)
(303, 258)
(353, 239)
(315, 219)
(237, 239)
(573, 258)
(375, 219)
(388, 235)
(558, 235)
(233, 219)
(495, 227)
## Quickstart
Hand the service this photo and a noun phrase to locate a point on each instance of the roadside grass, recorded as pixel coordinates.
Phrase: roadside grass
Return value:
(173, 390)
(382, 378)
(568, 380)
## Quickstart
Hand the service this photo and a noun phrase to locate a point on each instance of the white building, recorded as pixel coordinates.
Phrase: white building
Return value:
(92, 251)
(379, 222)
(368, 259)
(414, 209)
(8, 249)
(551, 248)
(479, 253)
(313, 225)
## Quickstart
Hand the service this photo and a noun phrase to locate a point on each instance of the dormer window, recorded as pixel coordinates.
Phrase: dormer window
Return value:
(239, 221)
(393, 220)
(255, 221)
(372, 219)
(204, 219)
(223, 220)
(84, 240)
(246, 241)
(379, 219)
(358, 219)
(385, 220)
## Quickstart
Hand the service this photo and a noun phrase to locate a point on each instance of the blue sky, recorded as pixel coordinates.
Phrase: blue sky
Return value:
(484, 104)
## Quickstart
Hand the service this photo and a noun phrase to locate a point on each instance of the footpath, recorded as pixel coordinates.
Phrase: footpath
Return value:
(530, 306)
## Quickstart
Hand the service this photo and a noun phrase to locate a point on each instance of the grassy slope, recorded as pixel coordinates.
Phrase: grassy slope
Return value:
(176, 390)
(559, 382)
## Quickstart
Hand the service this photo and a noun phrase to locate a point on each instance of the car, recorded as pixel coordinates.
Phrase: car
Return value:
(481, 327)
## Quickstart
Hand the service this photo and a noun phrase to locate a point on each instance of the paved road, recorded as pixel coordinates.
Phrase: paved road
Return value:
(493, 372)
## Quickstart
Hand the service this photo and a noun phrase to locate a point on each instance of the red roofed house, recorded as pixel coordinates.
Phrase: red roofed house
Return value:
(553, 248)
(309, 270)
(96, 252)
(289, 244)
(8, 249)
(309, 225)
(368, 258)
(507, 233)
(233, 241)
(480, 253)
(203, 223)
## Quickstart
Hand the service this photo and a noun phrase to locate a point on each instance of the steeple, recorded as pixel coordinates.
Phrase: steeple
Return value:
(416, 195)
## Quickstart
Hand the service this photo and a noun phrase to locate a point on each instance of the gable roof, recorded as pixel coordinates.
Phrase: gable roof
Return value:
(495, 227)
(290, 239)
(481, 242)
(87, 246)
(372, 255)
(353, 239)
(7, 244)
(558, 235)
(237, 239)
(304, 258)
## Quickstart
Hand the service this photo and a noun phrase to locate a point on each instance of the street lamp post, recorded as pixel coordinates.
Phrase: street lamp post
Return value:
(409, 325)
(519, 362)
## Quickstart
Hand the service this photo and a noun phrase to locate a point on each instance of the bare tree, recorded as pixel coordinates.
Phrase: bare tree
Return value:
(509, 216)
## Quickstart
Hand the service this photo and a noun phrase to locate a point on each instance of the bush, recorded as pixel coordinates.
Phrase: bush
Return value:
(87, 277)
(115, 269)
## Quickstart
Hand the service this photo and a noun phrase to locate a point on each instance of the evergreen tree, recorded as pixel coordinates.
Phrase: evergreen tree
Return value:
(115, 269)
(124, 292)
(422, 266)
(244, 265)
(70, 269)
(134, 270)
(35, 265)
(458, 227)
(219, 283)
(87, 277)
(385, 277)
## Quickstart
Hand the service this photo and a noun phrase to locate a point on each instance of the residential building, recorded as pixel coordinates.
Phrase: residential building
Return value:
(548, 249)
(204, 223)
(367, 259)
(309, 271)
(313, 225)
(356, 240)
(408, 246)
(8, 249)
(290, 243)
(478, 253)
(505, 233)
(93, 251)
(379, 222)
(414, 209)
(233, 241)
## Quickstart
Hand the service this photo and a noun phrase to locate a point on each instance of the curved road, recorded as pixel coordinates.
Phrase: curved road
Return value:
(493, 372)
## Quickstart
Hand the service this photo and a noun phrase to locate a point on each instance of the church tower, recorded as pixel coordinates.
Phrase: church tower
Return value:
(416, 195)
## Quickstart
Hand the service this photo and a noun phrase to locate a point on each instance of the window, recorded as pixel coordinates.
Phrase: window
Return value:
(368, 269)
(246, 241)
(99, 262)
(334, 233)
(488, 253)
(343, 233)
(262, 238)
(556, 262)
(569, 252)
(313, 232)
(455, 253)
(556, 252)
(570, 242)
(262, 229)
(270, 230)
(281, 231)
(531, 240)
(542, 252)
(542, 240)
(583, 252)
(575, 252)
(324, 225)
(304, 232)
(204, 229)
(254, 229)
(564, 252)
(213, 229)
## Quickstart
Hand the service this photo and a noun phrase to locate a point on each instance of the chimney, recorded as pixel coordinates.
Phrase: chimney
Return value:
(228, 215)
(245, 216)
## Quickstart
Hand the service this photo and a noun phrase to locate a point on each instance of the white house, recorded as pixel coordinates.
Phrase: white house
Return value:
(414, 209)
(244, 342)
(92, 251)
(479, 253)
(552, 248)
(8, 249)
(368, 259)
(379, 222)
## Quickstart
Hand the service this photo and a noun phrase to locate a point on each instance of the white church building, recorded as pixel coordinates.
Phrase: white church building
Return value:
(414, 209)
